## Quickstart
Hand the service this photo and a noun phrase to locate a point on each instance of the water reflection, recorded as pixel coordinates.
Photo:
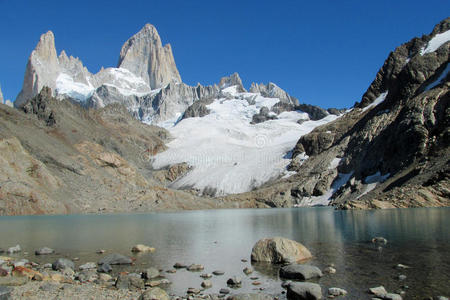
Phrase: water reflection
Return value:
(220, 239)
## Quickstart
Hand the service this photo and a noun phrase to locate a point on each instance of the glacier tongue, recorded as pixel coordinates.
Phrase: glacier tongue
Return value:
(227, 153)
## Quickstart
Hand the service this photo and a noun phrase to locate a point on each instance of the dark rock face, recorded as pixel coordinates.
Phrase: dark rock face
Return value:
(198, 109)
(384, 154)
(314, 112)
(262, 116)
(39, 105)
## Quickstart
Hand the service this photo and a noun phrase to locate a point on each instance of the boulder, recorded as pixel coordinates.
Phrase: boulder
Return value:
(63, 263)
(115, 259)
(279, 250)
(142, 248)
(304, 291)
(379, 291)
(300, 272)
(154, 294)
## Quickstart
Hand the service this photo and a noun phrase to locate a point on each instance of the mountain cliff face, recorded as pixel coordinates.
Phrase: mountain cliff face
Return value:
(390, 150)
(144, 55)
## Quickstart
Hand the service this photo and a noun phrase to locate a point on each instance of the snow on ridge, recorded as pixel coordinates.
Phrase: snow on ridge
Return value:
(441, 77)
(437, 41)
(65, 85)
(377, 101)
(372, 181)
(228, 154)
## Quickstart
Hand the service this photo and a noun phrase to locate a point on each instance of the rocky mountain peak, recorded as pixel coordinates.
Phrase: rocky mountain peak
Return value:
(232, 80)
(42, 69)
(144, 56)
(1, 95)
(273, 91)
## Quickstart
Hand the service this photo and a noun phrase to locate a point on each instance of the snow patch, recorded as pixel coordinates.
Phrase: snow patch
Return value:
(376, 101)
(441, 77)
(334, 163)
(372, 181)
(437, 41)
(228, 154)
(65, 85)
(325, 198)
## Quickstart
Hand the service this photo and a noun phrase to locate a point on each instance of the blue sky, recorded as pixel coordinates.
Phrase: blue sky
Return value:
(323, 52)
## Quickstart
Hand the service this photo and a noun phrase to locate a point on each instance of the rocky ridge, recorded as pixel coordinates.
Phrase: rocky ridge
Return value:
(390, 150)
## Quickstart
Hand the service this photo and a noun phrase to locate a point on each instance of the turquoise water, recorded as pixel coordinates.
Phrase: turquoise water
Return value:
(219, 239)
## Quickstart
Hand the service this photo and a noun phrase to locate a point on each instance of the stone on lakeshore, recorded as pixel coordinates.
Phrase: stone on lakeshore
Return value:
(218, 272)
(150, 273)
(392, 296)
(125, 281)
(256, 283)
(250, 297)
(14, 249)
(165, 281)
(87, 266)
(179, 266)
(142, 248)
(63, 263)
(100, 251)
(152, 283)
(5, 293)
(87, 275)
(115, 259)
(279, 250)
(304, 291)
(401, 277)
(379, 240)
(234, 281)
(248, 270)
(206, 275)
(300, 272)
(337, 292)
(329, 270)
(47, 266)
(206, 284)
(172, 271)
(193, 291)
(154, 294)
(379, 291)
(224, 291)
(104, 277)
(104, 268)
(20, 263)
(195, 268)
(244, 260)
(44, 251)
(13, 281)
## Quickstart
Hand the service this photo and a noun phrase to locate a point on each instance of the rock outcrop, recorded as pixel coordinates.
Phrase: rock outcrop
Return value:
(271, 90)
(390, 150)
(144, 55)
(232, 80)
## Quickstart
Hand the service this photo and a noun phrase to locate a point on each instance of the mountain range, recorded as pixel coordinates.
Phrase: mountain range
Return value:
(136, 138)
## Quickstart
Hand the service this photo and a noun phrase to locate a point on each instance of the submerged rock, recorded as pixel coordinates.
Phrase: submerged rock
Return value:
(337, 292)
(44, 251)
(115, 259)
(14, 249)
(142, 248)
(279, 250)
(88, 265)
(300, 272)
(304, 291)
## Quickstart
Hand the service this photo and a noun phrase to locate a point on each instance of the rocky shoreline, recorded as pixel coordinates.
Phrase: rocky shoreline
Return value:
(65, 278)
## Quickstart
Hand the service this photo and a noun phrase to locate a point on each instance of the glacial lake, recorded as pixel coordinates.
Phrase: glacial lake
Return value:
(220, 239)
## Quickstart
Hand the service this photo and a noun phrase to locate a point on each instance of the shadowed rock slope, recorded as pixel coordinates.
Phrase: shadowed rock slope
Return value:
(57, 157)
(390, 150)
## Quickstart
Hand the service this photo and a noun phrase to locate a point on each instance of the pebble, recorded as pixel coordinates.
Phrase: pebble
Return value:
(329, 270)
(142, 248)
(234, 281)
(244, 260)
(401, 277)
(224, 291)
(100, 251)
(256, 283)
(248, 270)
(379, 291)
(401, 267)
(206, 284)
(195, 268)
(337, 291)
(206, 275)
(179, 266)
(379, 240)
(193, 291)
(44, 251)
(172, 271)
(14, 249)
(218, 273)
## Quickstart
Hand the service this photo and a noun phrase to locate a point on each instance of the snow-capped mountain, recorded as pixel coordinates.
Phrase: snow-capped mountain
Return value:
(240, 141)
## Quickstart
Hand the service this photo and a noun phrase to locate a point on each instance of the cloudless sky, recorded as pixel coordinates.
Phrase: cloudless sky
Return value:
(323, 52)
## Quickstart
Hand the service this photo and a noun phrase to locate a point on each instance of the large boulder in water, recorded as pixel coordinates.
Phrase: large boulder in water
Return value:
(279, 250)
(304, 291)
